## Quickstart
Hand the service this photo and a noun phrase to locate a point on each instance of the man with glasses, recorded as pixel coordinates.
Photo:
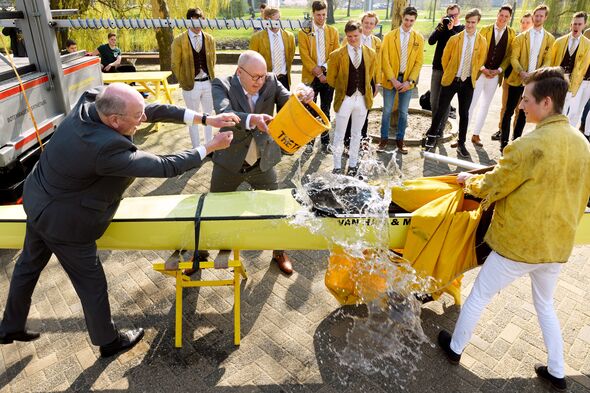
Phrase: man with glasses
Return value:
(73, 192)
(449, 26)
(193, 64)
(252, 94)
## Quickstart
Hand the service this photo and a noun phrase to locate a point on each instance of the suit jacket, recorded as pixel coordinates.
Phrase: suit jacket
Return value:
(183, 65)
(74, 190)
(260, 43)
(488, 31)
(451, 58)
(519, 58)
(308, 50)
(228, 96)
(338, 76)
(582, 59)
(391, 57)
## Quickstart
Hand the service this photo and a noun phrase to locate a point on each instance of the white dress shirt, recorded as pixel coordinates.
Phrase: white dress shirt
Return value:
(535, 46)
(404, 37)
(254, 100)
(193, 37)
(281, 53)
(498, 33)
(189, 120)
(471, 41)
(573, 43)
(322, 59)
(367, 40)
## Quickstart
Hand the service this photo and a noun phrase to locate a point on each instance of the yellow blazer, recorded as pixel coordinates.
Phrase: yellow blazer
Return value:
(587, 33)
(519, 58)
(391, 57)
(376, 46)
(451, 58)
(582, 59)
(308, 50)
(183, 65)
(338, 74)
(487, 32)
(260, 43)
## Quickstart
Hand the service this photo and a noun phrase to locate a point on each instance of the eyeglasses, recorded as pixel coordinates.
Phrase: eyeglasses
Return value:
(134, 117)
(255, 78)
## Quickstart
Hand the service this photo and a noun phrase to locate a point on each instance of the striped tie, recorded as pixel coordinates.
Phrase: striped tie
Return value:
(357, 58)
(198, 44)
(466, 70)
(404, 57)
(534, 51)
(321, 46)
(277, 55)
(252, 154)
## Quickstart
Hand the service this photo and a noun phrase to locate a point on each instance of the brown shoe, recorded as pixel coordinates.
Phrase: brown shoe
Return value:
(284, 262)
(476, 140)
(401, 146)
(454, 144)
(382, 144)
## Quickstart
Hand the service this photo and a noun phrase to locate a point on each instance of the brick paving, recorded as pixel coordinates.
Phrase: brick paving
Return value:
(290, 325)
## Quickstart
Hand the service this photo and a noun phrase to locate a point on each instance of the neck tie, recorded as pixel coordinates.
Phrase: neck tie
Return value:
(277, 55)
(466, 70)
(497, 36)
(321, 46)
(404, 58)
(572, 46)
(198, 44)
(356, 61)
(252, 154)
(534, 52)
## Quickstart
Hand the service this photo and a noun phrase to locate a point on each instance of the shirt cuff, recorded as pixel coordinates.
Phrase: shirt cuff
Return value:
(248, 121)
(189, 117)
(202, 151)
(500, 69)
(483, 67)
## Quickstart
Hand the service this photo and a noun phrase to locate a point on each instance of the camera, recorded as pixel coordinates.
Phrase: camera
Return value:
(446, 20)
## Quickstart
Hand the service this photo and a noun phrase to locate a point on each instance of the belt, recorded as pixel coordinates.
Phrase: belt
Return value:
(401, 74)
(457, 79)
(202, 79)
(247, 167)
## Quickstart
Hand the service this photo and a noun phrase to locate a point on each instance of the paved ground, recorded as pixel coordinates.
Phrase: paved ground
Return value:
(291, 325)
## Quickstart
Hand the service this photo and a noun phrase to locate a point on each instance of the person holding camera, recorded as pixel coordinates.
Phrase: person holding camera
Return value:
(449, 26)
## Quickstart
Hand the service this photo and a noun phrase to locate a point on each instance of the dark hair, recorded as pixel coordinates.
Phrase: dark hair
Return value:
(195, 13)
(526, 15)
(472, 13)
(541, 7)
(318, 5)
(262, 6)
(581, 14)
(549, 82)
(506, 7)
(453, 6)
(111, 34)
(411, 11)
(352, 25)
(70, 42)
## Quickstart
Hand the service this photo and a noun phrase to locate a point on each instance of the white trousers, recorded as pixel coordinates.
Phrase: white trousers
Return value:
(354, 108)
(577, 103)
(199, 96)
(482, 96)
(497, 273)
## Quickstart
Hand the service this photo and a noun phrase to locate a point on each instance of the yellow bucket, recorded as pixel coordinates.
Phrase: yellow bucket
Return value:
(294, 126)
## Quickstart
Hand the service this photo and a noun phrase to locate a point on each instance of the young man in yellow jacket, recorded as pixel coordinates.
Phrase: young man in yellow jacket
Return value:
(352, 74)
(315, 47)
(530, 51)
(572, 53)
(499, 38)
(277, 46)
(550, 166)
(462, 59)
(193, 64)
(402, 56)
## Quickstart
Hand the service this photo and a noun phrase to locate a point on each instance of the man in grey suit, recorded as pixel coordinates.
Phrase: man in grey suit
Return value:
(72, 194)
(252, 94)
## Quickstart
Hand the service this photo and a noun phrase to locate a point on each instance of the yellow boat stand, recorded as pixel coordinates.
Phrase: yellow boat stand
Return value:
(175, 269)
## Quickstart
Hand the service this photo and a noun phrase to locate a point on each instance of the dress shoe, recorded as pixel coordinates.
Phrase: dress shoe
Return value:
(453, 112)
(337, 171)
(454, 145)
(284, 262)
(308, 148)
(558, 384)
(27, 335)
(476, 140)
(430, 143)
(401, 146)
(444, 342)
(352, 171)
(497, 136)
(326, 149)
(382, 145)
(125, 341)
(462, 150)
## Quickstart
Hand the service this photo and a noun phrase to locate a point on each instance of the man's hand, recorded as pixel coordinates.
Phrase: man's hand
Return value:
(317, 71)
(107, 67)
(404, 87)
(323, 78)
(221, 120)
(396, 84)
(376, 90)
(260, 121)
(462, 177)
(523, 74)
(304, 93)
(220, 141)
(449, 25)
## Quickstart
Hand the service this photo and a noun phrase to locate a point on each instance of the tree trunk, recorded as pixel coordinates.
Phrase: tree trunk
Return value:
(331, 19)
(348, 9)
(164, 37)
(397, 8)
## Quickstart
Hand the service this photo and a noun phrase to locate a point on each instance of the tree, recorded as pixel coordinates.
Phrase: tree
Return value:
(80, 5)
(164, 37)
(331, 19)
(397, 9)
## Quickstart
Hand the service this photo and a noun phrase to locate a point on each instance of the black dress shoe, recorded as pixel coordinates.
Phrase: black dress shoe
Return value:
(462, 150)
(430, 142)
(558, 384)
(27, 335)
(444, 342)
(125, 341)
(497, 136)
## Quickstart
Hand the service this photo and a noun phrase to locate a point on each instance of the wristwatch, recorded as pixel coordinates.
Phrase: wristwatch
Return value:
(204, 119)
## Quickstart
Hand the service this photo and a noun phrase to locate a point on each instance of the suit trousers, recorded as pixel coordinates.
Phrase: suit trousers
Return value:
(353, 108)
(83, 267)
(577, 103)
(284, 79)
(326, 93)
(514, 94)
(199, 99)
(484, 89)
(464, 91)
(505, 86)
(435, 88)
(496, 274)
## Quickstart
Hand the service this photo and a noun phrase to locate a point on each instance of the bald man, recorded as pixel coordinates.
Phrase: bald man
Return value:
(72, 194)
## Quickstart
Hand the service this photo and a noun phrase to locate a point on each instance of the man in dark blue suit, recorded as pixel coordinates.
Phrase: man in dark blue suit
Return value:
(72, 194)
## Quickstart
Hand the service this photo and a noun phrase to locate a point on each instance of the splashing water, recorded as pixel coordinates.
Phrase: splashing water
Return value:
(391, 332)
